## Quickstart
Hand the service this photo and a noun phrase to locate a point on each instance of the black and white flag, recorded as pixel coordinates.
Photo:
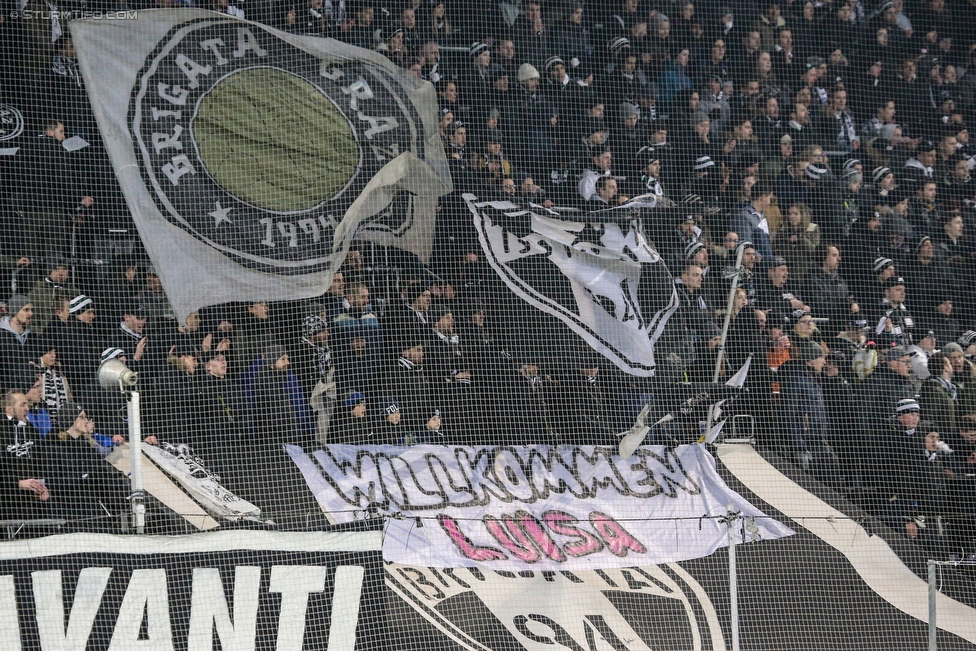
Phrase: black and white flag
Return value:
(597, 274)
(250, 158)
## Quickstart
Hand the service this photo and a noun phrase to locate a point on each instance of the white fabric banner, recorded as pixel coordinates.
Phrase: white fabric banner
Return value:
(540, 507)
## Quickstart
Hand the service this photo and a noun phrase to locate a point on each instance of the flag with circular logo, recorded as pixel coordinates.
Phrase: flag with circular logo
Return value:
(251, 158)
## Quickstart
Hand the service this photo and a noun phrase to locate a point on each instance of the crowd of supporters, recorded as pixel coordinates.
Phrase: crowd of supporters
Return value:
(824, 143)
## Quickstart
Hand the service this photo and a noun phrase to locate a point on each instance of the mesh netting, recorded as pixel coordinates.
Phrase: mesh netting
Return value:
(487, 325)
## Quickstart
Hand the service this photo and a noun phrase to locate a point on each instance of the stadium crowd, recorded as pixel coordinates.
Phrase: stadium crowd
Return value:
(826, 143)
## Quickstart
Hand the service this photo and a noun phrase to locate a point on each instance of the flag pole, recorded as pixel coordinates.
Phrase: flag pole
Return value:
(725, 329)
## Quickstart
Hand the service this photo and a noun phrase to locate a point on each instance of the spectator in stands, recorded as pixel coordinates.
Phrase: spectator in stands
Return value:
(129, 336)
(776, 292)
(950, 242)
(938, 397)
(797, 240)
(838, 127)
(23, 478)
(893, 323)
(354, 425)
(751, 223)
(888, 384)
(358, 337)
(42, 295)
(153, 297)
(278, 398)
(316, 372)
(252, 335)
(59, 200)
(455, 384)
(38, 415)
(82, 344)
(223, 421)
(335, 299)
(408, 382)
(914, 486)
(692, 308)
(17, 344)
(87, 492)
(582, 403)
(828, 293)
(55, 389)
(805, 415)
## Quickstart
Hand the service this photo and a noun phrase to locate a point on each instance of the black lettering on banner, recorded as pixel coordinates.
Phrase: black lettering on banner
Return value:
(230, 600)
(420, 583)
(474, 477)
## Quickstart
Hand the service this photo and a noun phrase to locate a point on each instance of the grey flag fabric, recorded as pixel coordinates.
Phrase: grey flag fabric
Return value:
(250, 158)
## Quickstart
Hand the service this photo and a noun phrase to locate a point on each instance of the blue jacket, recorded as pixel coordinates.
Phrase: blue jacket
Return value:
(804, 412)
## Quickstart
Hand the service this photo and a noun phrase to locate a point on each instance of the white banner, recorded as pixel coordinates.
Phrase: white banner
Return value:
(539, 507)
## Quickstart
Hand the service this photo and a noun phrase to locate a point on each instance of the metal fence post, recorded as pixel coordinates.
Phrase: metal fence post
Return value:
(732, 521)
(933, 629)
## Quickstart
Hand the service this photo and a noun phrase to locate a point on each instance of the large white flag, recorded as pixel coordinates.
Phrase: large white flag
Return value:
(250, 158)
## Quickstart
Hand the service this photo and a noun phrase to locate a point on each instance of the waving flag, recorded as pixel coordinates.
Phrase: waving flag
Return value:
(596, 274)
(250, 158)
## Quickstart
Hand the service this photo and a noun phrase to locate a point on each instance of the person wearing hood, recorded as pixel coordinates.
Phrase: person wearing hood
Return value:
(354, 426)
(572, 36)
(17, 342)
